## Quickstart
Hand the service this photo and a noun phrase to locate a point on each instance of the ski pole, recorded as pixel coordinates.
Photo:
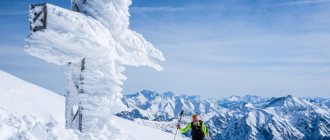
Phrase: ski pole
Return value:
(181, 113)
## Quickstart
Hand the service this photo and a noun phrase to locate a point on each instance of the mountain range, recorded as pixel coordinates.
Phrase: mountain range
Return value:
(29, 111)
(234, 117)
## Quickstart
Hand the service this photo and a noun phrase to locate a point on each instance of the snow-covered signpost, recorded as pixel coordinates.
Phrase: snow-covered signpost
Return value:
(95, 41)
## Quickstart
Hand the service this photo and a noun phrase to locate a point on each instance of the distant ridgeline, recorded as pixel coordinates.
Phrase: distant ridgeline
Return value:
(248, 117)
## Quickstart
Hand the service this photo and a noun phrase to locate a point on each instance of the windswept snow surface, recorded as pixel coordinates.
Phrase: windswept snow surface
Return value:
(29, 112)
(140, 132)
(29, 127)
(23, 98)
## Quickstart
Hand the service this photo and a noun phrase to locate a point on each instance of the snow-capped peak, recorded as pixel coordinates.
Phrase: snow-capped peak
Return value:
(290, 103)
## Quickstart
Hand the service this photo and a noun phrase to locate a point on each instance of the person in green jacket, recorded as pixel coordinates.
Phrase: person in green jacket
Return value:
(198, 128)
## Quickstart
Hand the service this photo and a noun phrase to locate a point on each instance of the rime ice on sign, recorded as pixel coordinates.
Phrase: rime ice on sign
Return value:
(96, 43)
(38, 18)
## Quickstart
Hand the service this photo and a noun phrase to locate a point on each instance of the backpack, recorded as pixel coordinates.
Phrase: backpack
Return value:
(196, 131)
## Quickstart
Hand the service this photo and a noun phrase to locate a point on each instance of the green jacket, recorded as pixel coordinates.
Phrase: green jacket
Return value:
(188, 127)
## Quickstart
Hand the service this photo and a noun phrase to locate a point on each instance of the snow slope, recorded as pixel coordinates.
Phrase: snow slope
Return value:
(29, 127)
(140, 132)
(31, 112)
(23, 98)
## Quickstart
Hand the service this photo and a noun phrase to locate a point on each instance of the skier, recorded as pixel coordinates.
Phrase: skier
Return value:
(198, 129)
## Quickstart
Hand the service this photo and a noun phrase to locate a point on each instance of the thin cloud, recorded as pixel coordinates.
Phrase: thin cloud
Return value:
(307, 2)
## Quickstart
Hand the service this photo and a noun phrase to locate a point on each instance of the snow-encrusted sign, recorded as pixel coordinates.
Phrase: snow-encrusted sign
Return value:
(38, 17)
(95, 41)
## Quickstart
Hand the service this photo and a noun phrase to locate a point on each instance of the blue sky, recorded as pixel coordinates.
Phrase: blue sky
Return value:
(213, 48)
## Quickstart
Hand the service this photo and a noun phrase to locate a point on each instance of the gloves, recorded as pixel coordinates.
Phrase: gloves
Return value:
(178, 126)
